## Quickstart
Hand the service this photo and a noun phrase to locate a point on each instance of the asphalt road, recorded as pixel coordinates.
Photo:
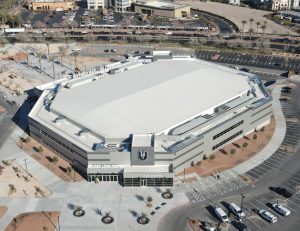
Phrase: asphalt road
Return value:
(281, 169)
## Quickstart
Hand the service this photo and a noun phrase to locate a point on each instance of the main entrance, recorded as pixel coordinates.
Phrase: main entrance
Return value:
(157, 182)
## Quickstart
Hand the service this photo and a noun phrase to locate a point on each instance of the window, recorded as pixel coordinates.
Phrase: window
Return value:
(57, 141)
(228, 139)
(228, 129)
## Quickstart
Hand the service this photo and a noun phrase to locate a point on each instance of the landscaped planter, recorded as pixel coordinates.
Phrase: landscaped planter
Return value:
(167, 195)
(78, 213)
(143, 220)
(107, 219)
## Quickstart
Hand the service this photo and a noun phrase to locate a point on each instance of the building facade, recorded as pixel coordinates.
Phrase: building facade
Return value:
(95, 4)
(281, 5)
(52, 5)
(150, 119)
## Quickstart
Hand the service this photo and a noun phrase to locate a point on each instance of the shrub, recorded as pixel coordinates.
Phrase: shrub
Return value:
(198, 163)
(192, 163)
(232, 151)
(27, 139)
(204, 157)
(212, 156)
(54, 160)
(254, 137)
(41, 149)
(245, 145)
(262, 129)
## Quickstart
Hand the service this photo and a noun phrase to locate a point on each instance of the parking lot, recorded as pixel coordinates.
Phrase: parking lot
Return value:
(288, 146)
(256, 60)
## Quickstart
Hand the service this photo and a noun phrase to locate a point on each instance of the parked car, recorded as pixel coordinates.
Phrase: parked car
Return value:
(281, 209)
(221, 214)
(239, 226)
(282, 191)
(267, 216)
(236, 210)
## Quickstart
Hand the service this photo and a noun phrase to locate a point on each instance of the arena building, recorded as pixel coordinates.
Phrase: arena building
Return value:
(141, 121)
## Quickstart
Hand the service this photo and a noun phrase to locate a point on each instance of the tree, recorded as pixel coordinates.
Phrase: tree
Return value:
(54, 160)
(212, 156)
(251, 20)
(62, 53)
(40, 149)
(198, 163)
(38, 191)
(245, 145)
(40, 55)
(232, 151)
(243, 23)
(52, 59)
(251, 31)
(75, 54)
(263, 28)
(254, 137)
(257, 26)
(48, 48)
(12, 189)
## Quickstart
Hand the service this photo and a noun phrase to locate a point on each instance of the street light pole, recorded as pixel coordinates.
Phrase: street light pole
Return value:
(25, 165)
(243, 196)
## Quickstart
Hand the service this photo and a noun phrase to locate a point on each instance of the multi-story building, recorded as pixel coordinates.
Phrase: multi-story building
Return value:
(95, 4)
(281, 4)
(141, 121)
(52, 5)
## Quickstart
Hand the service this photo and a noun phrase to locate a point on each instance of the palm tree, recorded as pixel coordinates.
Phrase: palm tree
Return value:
(251, 20)
(263, 28)
(244, 23)
(75, 54)
(62, 53)
(257, 26)
(48, 48)
(40, 55)
(251, 31)
(52, 59)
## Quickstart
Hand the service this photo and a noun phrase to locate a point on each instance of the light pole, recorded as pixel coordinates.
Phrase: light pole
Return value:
(243, 196)
(25, 165)
(21, 143)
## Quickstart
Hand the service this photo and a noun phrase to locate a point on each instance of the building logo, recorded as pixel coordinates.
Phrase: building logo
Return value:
(143, 154)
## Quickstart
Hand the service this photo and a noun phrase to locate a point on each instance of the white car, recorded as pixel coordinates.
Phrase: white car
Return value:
(76, 49)
(236, 210)
(221, 215)
(267, 215)
(281, 209)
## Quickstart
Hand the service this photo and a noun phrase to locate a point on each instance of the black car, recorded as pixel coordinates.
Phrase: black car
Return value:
(282, 191)
(239, 226)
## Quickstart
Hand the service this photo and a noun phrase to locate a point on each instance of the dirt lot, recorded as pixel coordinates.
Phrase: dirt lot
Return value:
(3, 210)
(240, 13)
(56, 164)
(233, 154)
(35, 221)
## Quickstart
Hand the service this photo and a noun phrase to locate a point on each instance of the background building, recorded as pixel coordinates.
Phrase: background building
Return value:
(159, 8)
(52, 5)
(95, 4)
(281, 4)
(141, 121)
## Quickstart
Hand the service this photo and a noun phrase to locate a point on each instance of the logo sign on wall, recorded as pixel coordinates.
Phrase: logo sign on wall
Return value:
(142, 154)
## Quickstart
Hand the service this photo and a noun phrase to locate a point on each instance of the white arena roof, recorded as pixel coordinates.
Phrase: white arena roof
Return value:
(150, 98)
